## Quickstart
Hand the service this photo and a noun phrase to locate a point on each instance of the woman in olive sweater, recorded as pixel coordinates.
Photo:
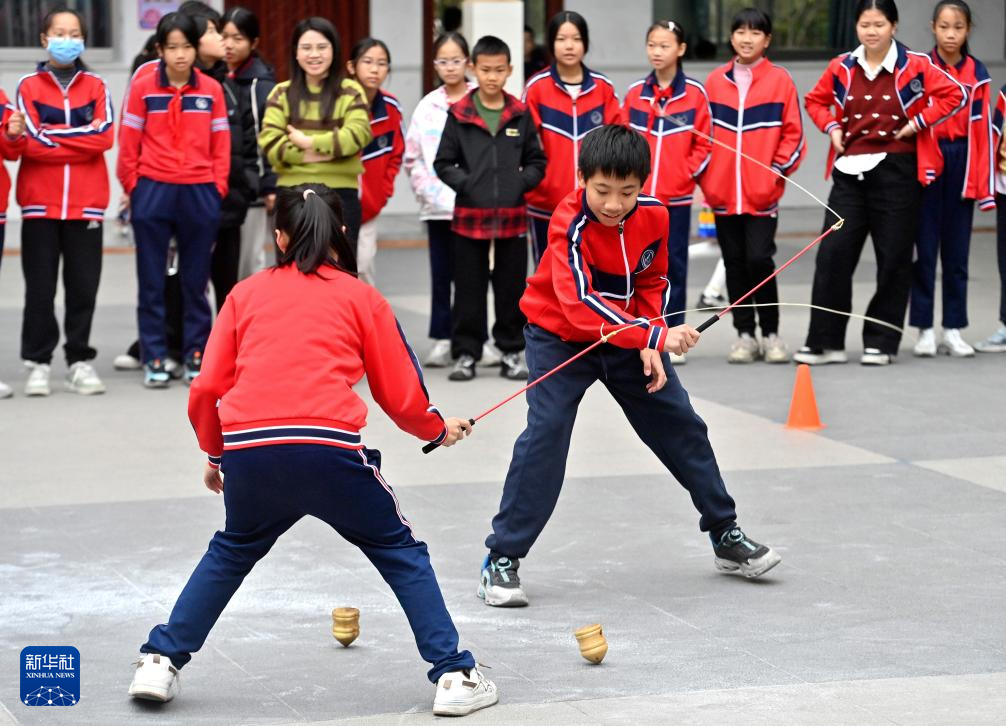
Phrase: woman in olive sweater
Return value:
(317, 123)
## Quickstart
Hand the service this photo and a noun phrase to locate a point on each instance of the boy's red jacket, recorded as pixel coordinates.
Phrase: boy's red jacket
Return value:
(666, 117)
(927, 95)
(284, 355)
(998, 131)
(562, 122)
(10, 149)
(382, 157)
(174, 135)
(975, 125)
(593, 279)
(63, 173)
(768, 127)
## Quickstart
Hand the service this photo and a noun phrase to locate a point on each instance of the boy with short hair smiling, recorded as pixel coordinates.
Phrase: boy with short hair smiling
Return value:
(605, 267)
(490, 155)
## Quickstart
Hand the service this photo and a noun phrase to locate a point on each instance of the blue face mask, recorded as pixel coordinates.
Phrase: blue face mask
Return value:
(65, 50)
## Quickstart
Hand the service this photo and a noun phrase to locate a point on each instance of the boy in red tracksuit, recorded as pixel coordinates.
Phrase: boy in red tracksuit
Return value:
(605, 268)
(755, 111)
(11, 142)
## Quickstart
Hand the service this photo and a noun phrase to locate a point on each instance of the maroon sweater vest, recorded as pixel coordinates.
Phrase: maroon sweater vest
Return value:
(873, 116)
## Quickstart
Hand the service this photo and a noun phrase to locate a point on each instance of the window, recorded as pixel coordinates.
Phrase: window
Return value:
(21, 21)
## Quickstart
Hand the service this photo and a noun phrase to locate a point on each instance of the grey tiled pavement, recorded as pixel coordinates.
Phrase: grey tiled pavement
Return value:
(886, 609)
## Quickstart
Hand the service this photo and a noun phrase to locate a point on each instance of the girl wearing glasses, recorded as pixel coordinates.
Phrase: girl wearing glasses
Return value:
(369, 64)
(317, 123)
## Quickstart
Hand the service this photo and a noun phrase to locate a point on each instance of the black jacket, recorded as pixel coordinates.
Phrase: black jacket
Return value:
(255, 81)
(487, 171)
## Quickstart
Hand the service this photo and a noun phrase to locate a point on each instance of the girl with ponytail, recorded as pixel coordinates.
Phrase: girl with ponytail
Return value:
(275, 411)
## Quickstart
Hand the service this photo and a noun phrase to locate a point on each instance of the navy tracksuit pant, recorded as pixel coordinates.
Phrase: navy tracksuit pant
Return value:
(538, 230)
(944, 231)
(680, 222)
(267, 489)
(665, 421)
(1001, 253)
(190, 213)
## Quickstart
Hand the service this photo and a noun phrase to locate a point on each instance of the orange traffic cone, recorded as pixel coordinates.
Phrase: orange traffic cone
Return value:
(803, 410)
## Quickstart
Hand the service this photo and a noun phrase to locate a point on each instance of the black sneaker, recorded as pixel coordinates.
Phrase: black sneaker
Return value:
(512, 366)
(499, 585)
(463, 370)
(735, 552)
(155, 375)
(193, 364)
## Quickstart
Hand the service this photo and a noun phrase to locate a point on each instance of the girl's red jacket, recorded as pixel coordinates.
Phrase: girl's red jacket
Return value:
(975, 124)
(284, 355)
(63, 173)
(562, 122)
(382, 157)
(10, 149)
(767, 127)
(594, 279)
(927, 95)
(174, 135)
(666, 117)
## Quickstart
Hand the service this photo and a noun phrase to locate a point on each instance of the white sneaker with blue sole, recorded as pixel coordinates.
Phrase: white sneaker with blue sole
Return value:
(499, 584)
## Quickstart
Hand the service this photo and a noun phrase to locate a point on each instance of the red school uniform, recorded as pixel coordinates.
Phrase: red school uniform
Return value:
(174, 135)
(767, 127)
(63, 173)
(382, 157)
(562, 122)
(10, 149)
(926, 95)
(666, 118)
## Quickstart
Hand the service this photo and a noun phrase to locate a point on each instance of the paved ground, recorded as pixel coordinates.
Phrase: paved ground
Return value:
(885, 609)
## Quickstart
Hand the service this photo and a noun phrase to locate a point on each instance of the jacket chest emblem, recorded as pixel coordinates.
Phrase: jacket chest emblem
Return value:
(915, 85)
(382, 141)
(202, 104)
(87, 113)
(596, 117)
(513, 132)
(646, 260)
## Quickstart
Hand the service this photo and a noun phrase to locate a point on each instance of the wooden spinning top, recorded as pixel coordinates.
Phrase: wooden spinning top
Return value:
(346, 625)
(593, 645)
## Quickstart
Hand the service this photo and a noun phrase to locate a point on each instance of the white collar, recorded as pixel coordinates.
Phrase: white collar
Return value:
(888, 63)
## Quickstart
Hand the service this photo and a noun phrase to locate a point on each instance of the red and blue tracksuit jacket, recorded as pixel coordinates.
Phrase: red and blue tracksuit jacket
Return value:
(666, 118)
(63, 173)
(928, 96)
(174, 135)
(562, 122)
(324, 332)
(382, 157)
(998, 131)
(594, 278)
(975, 124)
(767, 127)
(10, 149)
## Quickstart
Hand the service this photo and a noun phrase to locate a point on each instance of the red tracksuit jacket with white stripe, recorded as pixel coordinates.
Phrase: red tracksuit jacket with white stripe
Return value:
(562, 122)
(174, 135)
(63, 173)
(767, 127)
(998, 131)
(10, 149)
(975, 124)
(283, 357)
(382, 157)
(593, 278)
(927, 95)
(666, 117)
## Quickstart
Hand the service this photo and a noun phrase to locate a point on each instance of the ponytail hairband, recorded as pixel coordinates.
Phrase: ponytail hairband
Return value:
(308, 191)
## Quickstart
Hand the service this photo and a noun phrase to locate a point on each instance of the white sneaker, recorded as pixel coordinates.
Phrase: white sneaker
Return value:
(126, 362)
(744, 350)
(955, 346)
(678, 360)
(874, 357)
(776, 350)
(459, 693)
(926, 345)
(819, 356)
(83, 379)
(439, 355)
(491, 356)
(5, 390)
(995, 343)
(155, 679)
(38, 379)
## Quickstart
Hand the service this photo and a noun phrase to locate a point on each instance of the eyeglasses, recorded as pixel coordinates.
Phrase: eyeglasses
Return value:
(321, 48)
(449, 62)
(373, 62)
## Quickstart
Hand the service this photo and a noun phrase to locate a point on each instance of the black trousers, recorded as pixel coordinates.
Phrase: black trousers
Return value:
(471, 284)
(172, 318)
(884, 203)
(224, 264)
(352, 213)
(43, 243)
(747, 242)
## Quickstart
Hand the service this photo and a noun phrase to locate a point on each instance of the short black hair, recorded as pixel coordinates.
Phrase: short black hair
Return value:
(490, 45)
(615, 150)
(889, 9)
(752, 18)
(186, 24)
(567, 16)
(203, 14)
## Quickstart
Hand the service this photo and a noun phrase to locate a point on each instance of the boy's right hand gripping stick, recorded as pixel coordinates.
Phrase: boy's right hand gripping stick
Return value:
(702, 328)
(432, 445)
